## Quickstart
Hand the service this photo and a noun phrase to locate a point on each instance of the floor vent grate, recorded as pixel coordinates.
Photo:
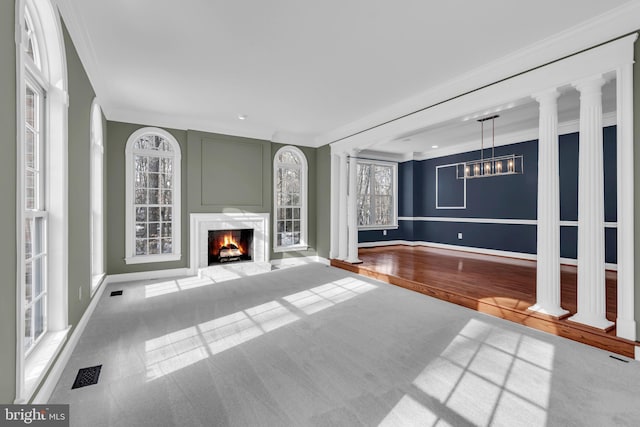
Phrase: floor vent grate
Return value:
(116, 293)
(87, 376)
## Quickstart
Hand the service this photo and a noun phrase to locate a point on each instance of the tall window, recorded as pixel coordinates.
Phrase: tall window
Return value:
(290, 199)
(42, 321)
(153, 197)
(97, 224)
(376, 190)
(35, 216)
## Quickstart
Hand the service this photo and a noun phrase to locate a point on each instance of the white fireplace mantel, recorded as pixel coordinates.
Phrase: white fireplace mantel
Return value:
(202, 223)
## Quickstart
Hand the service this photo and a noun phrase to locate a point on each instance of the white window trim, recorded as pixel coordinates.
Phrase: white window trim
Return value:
(30, 370)
(130, 235)
(394, 185)
(304, 197)
(97, 196)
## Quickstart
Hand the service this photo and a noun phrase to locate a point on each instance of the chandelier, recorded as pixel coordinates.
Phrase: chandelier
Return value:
(510, 164)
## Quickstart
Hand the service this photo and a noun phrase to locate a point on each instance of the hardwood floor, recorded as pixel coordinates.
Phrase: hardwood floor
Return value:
(503, 287)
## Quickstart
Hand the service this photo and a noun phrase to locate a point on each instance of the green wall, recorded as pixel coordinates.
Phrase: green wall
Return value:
(323, 200)
(81, 96)
(220, 173)
(8, 207)
(228, 173)
(117, 135)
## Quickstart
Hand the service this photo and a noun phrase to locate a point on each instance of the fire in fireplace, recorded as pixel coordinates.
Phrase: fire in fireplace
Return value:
(230, 246)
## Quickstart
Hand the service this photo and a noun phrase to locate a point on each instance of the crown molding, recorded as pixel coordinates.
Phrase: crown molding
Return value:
(606, 27)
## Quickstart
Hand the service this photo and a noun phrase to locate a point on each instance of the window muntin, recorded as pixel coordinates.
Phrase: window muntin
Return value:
(154, 162)
(290, 199)
(376, 191)
(35, 217)
(31, 48)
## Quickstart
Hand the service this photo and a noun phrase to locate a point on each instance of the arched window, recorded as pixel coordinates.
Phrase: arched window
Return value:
(153, 197)
(97, 195)
(290, 199)
(42, 193)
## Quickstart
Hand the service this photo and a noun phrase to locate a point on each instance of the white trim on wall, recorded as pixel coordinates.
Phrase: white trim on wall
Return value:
(52, 379)
(607, 224)
(147, 275)
(295, 261)
(464, 188)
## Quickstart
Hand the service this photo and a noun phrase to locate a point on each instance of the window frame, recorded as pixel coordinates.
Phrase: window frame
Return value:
(47, 73)
(176, 205)
(394, 195)
(38, 211)
(97, 196)
(304, 197)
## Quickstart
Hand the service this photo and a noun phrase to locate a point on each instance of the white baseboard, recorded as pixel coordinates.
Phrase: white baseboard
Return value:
(56, 371)
(290, 262)
(508, 254)
(637, 353)
(387, 243)
(146, 275)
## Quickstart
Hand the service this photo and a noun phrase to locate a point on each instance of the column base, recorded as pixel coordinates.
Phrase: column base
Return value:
(353, 260)
(626, 329)
(557, 312)
(593, 321)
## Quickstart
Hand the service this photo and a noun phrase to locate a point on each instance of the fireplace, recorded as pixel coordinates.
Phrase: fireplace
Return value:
(230, 246)
(255, 250)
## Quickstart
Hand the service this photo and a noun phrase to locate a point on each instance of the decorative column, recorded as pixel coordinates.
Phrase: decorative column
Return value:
(335, 206)
(548, 253)
(352, 214)
(342, 214)
(591, 278)
(625, 322)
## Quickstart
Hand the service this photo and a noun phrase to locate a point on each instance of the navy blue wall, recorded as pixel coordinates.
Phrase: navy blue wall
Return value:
(501, 197)
(494, 197)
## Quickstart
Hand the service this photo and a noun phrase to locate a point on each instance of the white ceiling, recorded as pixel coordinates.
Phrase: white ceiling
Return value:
(301, 70)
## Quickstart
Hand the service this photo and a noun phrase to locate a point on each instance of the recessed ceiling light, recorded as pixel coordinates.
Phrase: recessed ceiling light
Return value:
(434, 146)
(242, 116)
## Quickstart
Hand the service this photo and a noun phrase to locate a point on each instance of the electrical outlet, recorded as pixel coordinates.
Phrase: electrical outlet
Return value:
(384, 232)
(459, 236)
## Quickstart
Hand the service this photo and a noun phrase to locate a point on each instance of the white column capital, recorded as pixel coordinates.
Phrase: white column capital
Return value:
(590, 84)
(546, 97)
